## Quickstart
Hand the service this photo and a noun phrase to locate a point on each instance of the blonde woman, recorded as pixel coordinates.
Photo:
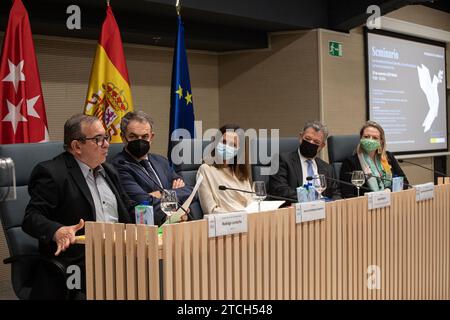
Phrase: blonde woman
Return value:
(371, 157)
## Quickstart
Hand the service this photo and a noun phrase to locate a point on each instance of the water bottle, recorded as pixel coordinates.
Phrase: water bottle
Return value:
(302, 194)
(144, 213)
(311, 192)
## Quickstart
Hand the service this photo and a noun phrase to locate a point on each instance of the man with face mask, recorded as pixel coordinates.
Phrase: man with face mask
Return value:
(144, 174)
(296, 166)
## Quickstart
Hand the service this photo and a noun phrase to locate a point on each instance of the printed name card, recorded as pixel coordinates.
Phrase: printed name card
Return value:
(309, 211)
(227, 223)
(378, 199)
(424, 191)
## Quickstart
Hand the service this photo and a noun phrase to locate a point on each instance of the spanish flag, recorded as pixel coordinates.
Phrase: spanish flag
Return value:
(109, 93)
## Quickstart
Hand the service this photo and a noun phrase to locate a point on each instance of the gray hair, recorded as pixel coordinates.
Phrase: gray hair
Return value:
(72, 128)
(140, 116)
(317, 126)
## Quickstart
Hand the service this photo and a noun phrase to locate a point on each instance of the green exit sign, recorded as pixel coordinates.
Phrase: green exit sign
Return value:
(335, 48)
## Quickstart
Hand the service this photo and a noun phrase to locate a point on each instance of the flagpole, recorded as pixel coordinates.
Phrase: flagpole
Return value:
(178, 6)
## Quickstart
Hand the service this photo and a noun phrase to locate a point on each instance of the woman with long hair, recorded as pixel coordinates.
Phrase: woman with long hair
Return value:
(378, 165)
(225, 169)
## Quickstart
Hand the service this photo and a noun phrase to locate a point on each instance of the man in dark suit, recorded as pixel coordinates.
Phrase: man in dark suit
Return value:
(296, 166)
(143, 174)
(74, 187)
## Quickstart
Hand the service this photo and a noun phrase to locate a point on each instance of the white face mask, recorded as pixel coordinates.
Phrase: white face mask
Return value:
(226, 152)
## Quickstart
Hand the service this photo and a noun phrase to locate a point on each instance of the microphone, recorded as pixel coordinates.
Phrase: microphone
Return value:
(339, 181)
(423, 167)
(123, 162)
(224, 188)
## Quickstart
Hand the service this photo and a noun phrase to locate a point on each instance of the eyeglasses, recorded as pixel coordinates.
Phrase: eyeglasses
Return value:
(99, 140)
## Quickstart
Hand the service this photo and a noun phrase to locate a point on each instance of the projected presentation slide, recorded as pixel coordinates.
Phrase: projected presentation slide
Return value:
(407, 92)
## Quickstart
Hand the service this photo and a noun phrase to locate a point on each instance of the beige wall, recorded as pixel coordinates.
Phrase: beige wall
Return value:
(275, 88)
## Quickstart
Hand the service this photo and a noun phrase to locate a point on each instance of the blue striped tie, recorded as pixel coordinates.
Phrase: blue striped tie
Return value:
(310, 169)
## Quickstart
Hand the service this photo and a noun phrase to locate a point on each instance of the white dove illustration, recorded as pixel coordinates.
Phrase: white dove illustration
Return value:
(430, 88)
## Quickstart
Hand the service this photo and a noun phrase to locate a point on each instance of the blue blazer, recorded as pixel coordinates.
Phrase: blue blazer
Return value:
(138, 184)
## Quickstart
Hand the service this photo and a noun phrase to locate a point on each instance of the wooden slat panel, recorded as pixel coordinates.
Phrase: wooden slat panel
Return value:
(317, 254)
(323, 258)
(236, 267)
(228, 267)
(168, 262)
(196, 249)
(304, 260)
(89, 256)
(212, 260)
(361, 248)
(279, 256)
(258, 257)
(186, 244)
(244, 265)
(310, 259)
(204, 254)
(334, 253)
(142, 262)
(153, 263)
(298, 260)
(130, 240)
(329, 251)
(389, 253)
(251, 256)
(286, 278)
(110, 262)
(365, 248)
(120, 262)
(403, 245)
(266, 217)
(178, 240)
(292, 254)
(220, 268)
(408, 226)
(273, 258)
(99, 255)
(351, 245)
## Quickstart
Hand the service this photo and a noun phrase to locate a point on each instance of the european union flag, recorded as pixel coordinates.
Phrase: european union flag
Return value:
(181, 102)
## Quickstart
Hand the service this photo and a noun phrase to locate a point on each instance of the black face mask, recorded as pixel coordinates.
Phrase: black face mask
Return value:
(308, 149)
(138, 148)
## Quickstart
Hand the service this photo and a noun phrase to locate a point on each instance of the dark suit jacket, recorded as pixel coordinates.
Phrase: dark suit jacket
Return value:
(290, 176)
(60, 197)
(138, 184)
(352, 163)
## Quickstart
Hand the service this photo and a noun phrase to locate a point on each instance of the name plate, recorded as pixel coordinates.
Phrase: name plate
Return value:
(424, 191)
(378, 199)
(309, 211)
(227, 223)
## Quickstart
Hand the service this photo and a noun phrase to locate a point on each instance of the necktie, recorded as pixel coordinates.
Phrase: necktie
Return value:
(310, 170)
(151, 173)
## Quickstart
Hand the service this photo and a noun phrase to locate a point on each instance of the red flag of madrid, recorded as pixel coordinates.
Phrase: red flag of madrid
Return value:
(22, 109)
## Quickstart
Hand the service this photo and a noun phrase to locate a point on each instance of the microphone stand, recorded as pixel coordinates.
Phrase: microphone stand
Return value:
(423, 167)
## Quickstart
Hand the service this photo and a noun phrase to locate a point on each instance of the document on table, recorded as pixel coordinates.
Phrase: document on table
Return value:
(176, 217)
(265, 206)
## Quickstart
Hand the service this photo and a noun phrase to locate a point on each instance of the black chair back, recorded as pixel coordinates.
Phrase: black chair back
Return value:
(339, 149)
(262, 154)
(25, 156)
